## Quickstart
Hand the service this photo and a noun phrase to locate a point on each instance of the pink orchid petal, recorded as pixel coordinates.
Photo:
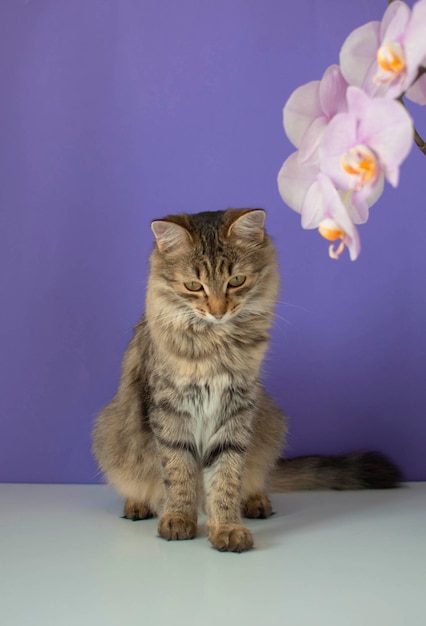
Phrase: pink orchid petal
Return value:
(382, 125)
(387, 129)
(294, 180)
(417, 93)
(340, 136)
(377, 191)
(399, 25)
(359, 203)
(358, 101)
(415, 41)
(357, 209)
(301, 109)
(394, 21)
(368, 190)
(329, 95)
(392, 175)
(393, 90)
(332, 92)
(312, 139)
(313, 207)
(358, 54)
(334, 208)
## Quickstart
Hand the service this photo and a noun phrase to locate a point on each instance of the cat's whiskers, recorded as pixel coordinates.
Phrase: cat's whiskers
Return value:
(249, 311)
(179, 318)
(294, 306)
(284, 319)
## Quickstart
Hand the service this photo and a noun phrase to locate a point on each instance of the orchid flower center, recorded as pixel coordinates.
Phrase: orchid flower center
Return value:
(391, 61)
(330, 230)
(361, 163)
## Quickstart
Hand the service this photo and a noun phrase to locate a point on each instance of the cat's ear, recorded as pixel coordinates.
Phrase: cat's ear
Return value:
(249, 226)
(170, 236)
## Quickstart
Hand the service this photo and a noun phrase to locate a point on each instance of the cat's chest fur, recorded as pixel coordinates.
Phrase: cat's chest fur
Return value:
(204, 402)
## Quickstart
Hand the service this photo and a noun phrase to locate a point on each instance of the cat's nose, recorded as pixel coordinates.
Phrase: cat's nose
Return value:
(217, 307)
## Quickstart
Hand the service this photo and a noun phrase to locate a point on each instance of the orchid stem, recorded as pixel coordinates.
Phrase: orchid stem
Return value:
(419, 141)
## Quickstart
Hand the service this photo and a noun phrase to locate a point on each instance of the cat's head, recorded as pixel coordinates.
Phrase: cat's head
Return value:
(214, 266)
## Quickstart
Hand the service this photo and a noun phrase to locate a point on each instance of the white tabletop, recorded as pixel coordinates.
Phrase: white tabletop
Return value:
(325, 558)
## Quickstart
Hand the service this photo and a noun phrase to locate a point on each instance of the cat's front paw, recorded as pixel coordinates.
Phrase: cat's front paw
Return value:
(230, 538)
(176, 527)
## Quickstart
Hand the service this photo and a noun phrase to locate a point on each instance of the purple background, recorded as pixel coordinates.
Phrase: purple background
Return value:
(117, 112)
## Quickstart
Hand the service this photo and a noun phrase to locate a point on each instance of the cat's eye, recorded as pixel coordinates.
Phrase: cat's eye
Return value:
(237, 281)
(193, 285)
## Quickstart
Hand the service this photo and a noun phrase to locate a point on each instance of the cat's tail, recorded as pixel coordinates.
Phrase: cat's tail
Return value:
(359, 470)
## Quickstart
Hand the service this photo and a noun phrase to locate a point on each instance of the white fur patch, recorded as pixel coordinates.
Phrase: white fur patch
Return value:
(206, 410)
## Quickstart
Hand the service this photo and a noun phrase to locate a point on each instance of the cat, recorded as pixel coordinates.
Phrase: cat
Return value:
(191, 423)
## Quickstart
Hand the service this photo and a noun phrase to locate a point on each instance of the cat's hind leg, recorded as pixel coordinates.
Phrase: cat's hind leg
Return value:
(142, 491)
(269, 430)
(254, 501)
(257, 506)
(135, 511)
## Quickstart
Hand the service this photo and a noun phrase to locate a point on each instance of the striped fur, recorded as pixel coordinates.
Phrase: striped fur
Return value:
(191, 423)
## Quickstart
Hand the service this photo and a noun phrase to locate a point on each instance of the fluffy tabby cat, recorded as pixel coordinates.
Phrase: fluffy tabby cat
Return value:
(191, 423)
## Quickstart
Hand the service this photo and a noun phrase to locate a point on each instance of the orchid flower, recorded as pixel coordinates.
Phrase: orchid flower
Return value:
(312, 194)
(366, 144)
(350, 130)
(345, 173)
(310, 108)
(386, 58)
